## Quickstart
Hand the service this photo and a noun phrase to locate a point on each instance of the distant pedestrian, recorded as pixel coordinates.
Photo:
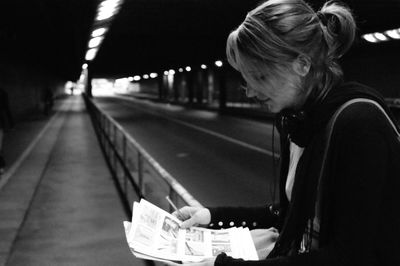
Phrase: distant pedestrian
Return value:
(6, 121)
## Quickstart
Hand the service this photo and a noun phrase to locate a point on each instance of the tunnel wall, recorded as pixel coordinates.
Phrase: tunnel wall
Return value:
(376, 65)
(25, 84)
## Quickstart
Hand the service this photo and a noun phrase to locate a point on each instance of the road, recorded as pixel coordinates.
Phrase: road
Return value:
(220, 160)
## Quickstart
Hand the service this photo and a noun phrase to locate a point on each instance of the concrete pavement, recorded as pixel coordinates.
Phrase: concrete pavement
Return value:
(60, 206)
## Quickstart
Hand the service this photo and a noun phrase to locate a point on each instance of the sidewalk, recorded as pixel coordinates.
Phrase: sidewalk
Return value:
(60, 206)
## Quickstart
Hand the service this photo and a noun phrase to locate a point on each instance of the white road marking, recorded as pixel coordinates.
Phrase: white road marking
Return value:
(213, 133)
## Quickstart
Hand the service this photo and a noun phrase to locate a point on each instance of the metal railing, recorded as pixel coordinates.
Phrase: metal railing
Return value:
(136, 173)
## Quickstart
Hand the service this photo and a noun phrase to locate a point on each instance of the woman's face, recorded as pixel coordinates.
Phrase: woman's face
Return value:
(278, 89)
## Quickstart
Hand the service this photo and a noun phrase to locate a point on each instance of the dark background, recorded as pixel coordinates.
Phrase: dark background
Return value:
(43, 42)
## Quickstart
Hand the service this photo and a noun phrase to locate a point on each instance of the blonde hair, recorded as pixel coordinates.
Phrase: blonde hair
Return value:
(278, 31)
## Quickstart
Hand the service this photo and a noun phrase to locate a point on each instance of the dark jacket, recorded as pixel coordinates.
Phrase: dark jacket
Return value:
(360, 224)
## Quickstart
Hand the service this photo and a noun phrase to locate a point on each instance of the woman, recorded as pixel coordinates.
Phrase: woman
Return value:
(344, 213)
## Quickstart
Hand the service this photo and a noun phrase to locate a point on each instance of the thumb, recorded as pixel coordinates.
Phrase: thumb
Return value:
(189, 223)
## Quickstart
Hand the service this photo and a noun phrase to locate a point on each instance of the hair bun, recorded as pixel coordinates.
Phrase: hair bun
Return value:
(340, 27)
(322, 18)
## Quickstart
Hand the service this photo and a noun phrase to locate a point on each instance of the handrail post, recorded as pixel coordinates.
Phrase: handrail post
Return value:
(125, 162)
(114, 137)
(124, 148)
(103, 130)
(108, 136)
(172, 195)
(140, 173)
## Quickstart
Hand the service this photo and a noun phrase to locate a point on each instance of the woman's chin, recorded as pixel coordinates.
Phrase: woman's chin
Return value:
(273, 108)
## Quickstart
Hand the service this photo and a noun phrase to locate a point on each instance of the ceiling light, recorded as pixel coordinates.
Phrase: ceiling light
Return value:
(120, 80)
(188, 68)
(145, 76)
(110, 3)
(369, 38)
(153, 75)
(91, 54)
(84, 66)
(136, 78)
(380, 36)
(218, 63)
(104, 15)
(94, 42)
(166, 72)
(171, 72)
(108, 6)
(98, 32)
(130, 78)
(203, 66)
(395, 34)
(180, 69)
(107, 9)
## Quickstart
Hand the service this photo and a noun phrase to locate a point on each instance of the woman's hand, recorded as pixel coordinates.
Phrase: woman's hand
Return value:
(193, 216)
(264, 240)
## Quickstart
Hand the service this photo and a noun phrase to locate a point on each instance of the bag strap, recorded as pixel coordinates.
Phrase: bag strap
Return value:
(336, 115)
(329, 131)
(308, 242)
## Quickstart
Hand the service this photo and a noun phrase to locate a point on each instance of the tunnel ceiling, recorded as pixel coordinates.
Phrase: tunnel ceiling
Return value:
(146, 35)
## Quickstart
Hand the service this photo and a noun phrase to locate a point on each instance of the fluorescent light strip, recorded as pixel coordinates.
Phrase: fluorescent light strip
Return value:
(90, 54)
(105, 10)
(94, 42)
(382, 36)
(394, 34)
(99, 32)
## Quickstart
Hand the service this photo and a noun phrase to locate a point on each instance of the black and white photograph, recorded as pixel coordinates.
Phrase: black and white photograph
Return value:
(200, 132)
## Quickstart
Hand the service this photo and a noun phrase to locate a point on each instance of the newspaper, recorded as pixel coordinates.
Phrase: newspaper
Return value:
(155, 234)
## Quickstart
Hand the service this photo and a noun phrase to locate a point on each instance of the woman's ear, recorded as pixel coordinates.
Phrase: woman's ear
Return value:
(301, 65)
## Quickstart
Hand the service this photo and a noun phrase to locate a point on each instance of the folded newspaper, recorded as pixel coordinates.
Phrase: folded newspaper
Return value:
(154, 234)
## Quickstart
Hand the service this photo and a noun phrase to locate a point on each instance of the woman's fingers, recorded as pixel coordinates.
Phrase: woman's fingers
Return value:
(184, 213)
(200, 216)
(193, 216)
(189, 223)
